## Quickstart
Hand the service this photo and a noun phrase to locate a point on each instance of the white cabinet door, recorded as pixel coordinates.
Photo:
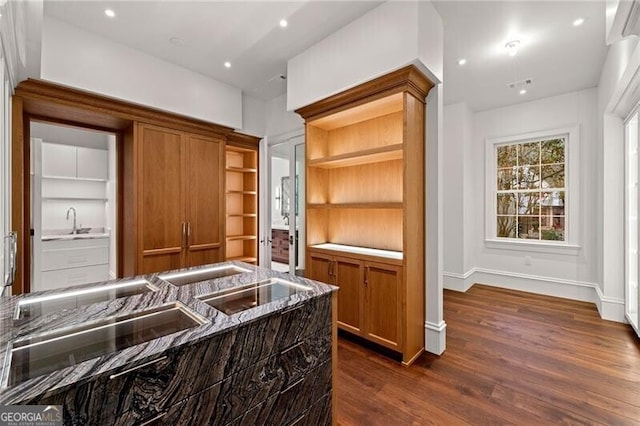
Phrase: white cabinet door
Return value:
(63, 278)
(58, 160)
(92, 163)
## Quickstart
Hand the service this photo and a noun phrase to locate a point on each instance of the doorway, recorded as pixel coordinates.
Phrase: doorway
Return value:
(632, 231)
(285, 224)
(73, 183)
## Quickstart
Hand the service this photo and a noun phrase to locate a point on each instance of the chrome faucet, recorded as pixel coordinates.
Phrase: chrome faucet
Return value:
(74, 230)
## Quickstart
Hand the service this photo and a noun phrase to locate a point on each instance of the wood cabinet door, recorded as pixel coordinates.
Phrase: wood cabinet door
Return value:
(383, 304)
(318, 267)
(205, 200)
(161, 201)
(348, 275)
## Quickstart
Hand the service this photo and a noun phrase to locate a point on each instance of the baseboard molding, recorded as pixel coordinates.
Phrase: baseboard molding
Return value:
(610, 308)
(435, 337)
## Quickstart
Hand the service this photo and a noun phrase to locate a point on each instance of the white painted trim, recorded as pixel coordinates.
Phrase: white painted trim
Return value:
(435, 337)
(572, 183)
(535, 246)
(609, 308)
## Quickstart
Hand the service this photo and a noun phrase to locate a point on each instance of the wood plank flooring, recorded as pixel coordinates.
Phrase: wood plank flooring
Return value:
(511, 358)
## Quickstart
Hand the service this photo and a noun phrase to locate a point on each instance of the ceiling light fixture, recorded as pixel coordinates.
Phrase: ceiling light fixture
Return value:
(283, 23)
(578, 22)
(227, 64)
(522, 92)
(462, 61)
(110, 13)
(512, 47)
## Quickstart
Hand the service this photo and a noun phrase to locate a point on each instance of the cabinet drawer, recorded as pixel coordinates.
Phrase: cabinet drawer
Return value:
(74, 276)
(74, 258)
(291, 404)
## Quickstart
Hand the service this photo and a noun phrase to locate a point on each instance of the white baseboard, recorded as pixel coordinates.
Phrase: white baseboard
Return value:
(435, 337)
(610, 308)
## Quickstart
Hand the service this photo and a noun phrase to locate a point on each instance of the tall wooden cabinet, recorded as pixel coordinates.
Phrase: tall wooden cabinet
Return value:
(365, 206)
(175, 194)
(241, 192)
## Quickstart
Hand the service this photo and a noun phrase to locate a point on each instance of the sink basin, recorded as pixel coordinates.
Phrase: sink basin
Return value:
(32, 307)
(81, 231)
(249, 296)
(48, 352)
(190, 277)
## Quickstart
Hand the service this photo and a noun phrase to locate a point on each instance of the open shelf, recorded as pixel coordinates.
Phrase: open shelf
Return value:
(242, 215)
(367, 156)
(242, 169)
(373, 205)
(388, 254)
(240, 192)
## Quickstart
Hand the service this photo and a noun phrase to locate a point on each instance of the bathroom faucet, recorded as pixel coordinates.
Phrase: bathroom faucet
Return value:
(74, 230)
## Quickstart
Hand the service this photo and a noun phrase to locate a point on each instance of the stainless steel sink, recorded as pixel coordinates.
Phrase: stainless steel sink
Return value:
(255, 294)
(44, 353)
(41, 305)
(190, 277)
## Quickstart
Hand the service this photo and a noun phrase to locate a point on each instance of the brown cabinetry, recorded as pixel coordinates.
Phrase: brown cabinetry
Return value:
(365, 202)
(370, 296)
(280, 245)
(177, 193)
(241, 191)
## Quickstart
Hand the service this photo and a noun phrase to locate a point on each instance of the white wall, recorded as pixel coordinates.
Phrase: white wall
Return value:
(458, 243)
(279, 121)
(90, 62)
(567, 274)
(53, 133)
(253, 116)
(386, 38)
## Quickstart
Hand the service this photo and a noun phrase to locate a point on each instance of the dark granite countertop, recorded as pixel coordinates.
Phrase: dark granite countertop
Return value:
(12, 329)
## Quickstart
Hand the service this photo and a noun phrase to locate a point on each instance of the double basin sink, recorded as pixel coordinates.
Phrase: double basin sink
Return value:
(44, 353)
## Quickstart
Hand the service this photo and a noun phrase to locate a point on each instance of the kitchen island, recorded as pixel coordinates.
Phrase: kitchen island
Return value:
(229, 343)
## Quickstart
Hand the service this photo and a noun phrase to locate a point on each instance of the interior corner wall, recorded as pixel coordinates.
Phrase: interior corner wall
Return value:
(453, 194)
(253, 116)
(77, 58)
(278, 120)
(564, 275)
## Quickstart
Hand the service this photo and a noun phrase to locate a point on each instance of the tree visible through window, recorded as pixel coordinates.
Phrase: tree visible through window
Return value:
(530, 201)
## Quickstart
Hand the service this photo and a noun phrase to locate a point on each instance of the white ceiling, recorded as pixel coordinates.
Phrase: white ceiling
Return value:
(246, 33)
(556, 55)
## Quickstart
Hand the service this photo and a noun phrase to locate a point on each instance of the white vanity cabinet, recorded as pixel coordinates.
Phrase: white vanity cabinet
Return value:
(72, 262)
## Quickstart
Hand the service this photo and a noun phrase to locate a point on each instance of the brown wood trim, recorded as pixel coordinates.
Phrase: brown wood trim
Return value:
(156, 252)
(241, 140)
(57, 95)
(408, 79)
(18, 193)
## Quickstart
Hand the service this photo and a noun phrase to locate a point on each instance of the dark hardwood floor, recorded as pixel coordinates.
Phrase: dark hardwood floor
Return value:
(511, 358)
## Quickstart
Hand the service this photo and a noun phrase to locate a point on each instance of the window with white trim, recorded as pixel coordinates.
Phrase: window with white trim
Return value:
(529, 190)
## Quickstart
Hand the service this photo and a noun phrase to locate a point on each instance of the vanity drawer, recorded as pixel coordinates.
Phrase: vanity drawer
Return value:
(73, 276)
(74, 258)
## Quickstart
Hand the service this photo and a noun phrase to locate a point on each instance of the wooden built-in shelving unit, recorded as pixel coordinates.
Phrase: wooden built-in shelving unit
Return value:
(241, 193)
(365, 206)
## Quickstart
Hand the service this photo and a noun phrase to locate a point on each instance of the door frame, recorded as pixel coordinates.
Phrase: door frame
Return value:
(293, 139)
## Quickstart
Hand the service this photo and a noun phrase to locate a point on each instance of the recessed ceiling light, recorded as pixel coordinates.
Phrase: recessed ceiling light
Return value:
(578, 22)
(512, 47)
(523, 91)
(110, 13)
(283, 23)
(462, 61)
(227, 64)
